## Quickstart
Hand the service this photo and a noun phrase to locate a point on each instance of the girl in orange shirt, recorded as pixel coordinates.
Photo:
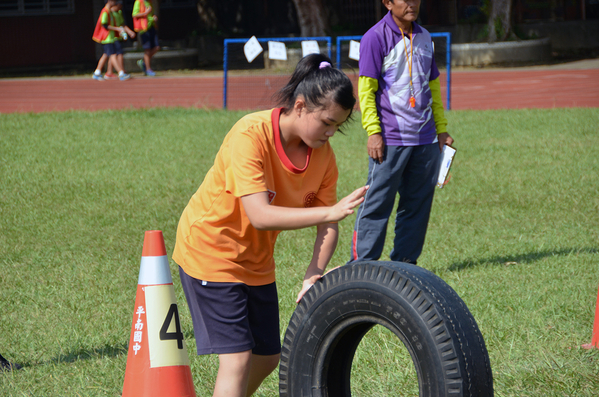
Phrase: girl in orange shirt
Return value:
(274, 171)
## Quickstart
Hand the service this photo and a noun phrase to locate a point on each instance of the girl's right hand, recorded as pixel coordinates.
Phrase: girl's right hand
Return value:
(347, 204)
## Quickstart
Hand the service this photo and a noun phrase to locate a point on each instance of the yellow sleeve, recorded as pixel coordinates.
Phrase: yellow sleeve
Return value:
(438, 111)
(367, 88)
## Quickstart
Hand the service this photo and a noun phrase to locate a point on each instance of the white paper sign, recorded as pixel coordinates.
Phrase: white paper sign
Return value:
(277, 51)
(354, 50)
(310, 47)
(446, 159)
(252, 49)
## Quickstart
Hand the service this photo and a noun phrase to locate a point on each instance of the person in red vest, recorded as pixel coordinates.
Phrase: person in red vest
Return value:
(105, 33)
(144, 23)
(117, 11)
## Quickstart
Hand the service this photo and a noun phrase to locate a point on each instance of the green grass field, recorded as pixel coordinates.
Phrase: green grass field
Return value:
(515, 233)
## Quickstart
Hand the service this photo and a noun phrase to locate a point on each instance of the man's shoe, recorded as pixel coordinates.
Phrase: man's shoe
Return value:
(150, 72)
(124, 77)
(97, 77)
(110, 76)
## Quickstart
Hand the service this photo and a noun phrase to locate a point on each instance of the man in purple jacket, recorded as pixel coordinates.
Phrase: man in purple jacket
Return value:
(402, 112)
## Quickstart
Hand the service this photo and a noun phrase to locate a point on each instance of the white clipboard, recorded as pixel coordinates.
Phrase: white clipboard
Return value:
(446, 160)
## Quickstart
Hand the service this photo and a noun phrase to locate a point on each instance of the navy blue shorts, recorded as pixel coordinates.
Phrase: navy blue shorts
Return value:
(233, 317)
(109, 49)
(118, 47)
(149, 39)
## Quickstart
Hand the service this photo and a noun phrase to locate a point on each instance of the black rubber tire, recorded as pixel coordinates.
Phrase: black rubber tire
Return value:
(426, 314)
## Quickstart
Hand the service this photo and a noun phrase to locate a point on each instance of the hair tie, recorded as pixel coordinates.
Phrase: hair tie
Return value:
(324, 64)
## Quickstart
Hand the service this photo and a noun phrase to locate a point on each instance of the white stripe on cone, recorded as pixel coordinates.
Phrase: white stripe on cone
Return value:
(154, 270)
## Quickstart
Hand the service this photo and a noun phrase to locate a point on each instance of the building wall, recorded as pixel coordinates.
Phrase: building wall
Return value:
(47, 40)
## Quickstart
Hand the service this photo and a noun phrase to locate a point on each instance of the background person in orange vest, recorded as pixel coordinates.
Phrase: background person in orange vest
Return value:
(105, 33)
(144, 23)
(117, 11)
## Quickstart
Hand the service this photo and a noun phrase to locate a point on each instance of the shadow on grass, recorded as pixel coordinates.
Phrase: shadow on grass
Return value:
(81, 354)
(100, 352)
(520, 259)
(91, 354)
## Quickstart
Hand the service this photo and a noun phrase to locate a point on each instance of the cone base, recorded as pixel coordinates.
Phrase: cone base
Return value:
(175, 381)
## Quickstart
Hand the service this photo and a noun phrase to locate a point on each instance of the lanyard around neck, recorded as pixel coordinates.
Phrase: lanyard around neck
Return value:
(409, 60)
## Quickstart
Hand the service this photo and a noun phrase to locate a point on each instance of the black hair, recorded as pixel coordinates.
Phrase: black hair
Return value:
(318, 85)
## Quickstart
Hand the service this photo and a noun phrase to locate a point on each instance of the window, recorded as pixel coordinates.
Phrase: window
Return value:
(36, 7)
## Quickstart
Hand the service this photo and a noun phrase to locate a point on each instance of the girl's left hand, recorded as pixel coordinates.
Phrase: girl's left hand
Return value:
(308, 283)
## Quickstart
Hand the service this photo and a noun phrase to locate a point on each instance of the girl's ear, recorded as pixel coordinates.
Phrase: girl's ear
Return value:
(299, 106)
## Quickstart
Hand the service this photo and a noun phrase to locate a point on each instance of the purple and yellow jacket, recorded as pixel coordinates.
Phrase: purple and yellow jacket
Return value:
(384, 85)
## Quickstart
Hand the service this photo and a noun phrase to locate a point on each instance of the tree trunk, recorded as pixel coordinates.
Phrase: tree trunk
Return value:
(500, 20)
(311, 17)
(207, 13)
(156, 9)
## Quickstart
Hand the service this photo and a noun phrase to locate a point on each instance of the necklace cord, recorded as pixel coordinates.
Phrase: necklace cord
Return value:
(409, 60)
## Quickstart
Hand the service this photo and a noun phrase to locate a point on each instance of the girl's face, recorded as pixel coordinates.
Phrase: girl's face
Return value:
(318, 126)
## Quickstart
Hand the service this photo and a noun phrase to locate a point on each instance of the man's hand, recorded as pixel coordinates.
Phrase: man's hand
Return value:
(444, 139)
(376, 147)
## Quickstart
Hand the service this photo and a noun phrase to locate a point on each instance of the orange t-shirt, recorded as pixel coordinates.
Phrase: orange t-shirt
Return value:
(215, 239)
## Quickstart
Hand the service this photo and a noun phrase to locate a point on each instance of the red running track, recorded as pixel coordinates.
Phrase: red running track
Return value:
(488, 89)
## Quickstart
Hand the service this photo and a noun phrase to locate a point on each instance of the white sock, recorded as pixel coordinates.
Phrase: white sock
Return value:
(97, 72)
(121, 73)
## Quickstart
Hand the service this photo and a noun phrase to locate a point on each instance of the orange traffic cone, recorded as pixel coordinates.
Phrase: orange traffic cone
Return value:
(595, 338)
(157, 361)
